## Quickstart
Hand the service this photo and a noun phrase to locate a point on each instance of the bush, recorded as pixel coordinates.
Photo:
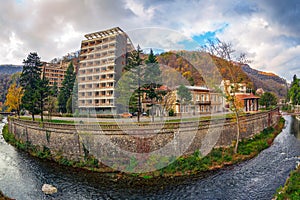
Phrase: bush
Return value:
(171, 113)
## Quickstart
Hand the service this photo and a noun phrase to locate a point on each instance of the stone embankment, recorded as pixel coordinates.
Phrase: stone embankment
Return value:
(75, 141)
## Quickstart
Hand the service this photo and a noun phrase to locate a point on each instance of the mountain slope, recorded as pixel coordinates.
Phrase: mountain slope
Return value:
(268, 81)
(6, 74)
(203, 68)
(10, 69)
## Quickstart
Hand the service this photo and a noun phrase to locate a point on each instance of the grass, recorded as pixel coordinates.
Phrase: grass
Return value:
(291, 189)
(47, 120)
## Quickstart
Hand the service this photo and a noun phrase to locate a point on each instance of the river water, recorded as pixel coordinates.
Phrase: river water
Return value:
(22, 176)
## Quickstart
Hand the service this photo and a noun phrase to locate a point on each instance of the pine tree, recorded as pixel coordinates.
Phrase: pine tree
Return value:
(134, 66)
(125, 93)
(29, 80)
(67, 88)
(294, 91)
(184, 94)
(54, 90)
(43, 92)
(152, 80)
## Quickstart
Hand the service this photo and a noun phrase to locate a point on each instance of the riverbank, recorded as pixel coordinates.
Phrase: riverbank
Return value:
(291, 188)
(191, 165)
(218, 158)
(3, 197)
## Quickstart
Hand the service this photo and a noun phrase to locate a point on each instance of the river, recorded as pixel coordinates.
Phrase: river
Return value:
(22, 176)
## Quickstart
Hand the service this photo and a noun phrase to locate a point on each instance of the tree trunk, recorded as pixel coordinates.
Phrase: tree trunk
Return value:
(18, 113)
(238, 132)
(32, 115)
(152, 110)
(42, 109)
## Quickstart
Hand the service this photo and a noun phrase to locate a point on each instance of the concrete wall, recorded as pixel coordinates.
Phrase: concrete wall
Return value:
(107, 141)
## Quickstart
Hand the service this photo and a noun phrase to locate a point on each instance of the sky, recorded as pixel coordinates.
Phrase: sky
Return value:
(267, 31)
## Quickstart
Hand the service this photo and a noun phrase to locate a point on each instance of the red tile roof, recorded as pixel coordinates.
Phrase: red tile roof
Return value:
(247, 96)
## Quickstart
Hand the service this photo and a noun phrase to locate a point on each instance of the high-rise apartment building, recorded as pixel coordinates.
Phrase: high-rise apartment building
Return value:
(102, 58)
(55, 72)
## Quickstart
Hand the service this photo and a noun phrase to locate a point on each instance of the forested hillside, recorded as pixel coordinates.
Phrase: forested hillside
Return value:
(10, 69)
(202, 69)
(4, 84)
(268, 81)
(7, 74)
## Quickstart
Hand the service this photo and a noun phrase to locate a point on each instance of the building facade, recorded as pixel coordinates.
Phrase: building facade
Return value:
(102, 58)
(249, 102)
(55, 70)
(203, 101)
(240, 88)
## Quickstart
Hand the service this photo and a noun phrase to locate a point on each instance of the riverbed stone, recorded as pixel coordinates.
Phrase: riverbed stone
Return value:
(49, 189)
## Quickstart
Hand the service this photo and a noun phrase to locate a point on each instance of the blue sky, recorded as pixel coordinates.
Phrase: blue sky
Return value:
(267, 31)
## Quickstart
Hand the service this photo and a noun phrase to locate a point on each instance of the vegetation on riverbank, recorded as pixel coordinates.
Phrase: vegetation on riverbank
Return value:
(291, 189)
(220, 157)
(184, 165)
(89, 162)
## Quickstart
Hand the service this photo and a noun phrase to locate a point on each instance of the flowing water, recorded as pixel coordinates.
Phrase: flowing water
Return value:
(22, 176)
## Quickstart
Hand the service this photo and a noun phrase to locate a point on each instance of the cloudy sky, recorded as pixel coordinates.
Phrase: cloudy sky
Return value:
(268, 31)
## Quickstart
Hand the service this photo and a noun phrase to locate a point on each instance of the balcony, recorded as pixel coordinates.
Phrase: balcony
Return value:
(201, 102)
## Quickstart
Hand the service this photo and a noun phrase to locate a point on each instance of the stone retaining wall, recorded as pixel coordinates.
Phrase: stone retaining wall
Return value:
(107, 141)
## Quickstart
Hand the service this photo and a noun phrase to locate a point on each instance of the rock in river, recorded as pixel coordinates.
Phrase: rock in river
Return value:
(49, 189)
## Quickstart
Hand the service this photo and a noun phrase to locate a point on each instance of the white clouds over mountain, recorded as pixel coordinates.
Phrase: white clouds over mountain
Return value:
(267, 30)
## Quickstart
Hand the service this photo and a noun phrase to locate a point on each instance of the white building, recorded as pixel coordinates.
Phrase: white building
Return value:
(102, 58)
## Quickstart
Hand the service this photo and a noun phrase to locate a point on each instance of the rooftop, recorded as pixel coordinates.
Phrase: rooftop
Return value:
(105, 33)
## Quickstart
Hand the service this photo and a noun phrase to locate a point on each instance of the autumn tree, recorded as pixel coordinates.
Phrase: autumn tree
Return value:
(167, 102)
(225, 51)
(13, 98)
(29, 80)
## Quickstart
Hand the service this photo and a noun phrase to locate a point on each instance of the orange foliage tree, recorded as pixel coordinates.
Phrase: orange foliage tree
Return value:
(13, 98)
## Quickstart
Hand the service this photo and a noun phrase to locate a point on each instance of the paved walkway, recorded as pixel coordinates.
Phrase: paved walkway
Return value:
(133, 119)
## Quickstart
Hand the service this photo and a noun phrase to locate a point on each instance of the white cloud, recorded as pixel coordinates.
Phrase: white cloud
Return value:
(68, 35)
(57, 27)
(139, 10)
(10, 49)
